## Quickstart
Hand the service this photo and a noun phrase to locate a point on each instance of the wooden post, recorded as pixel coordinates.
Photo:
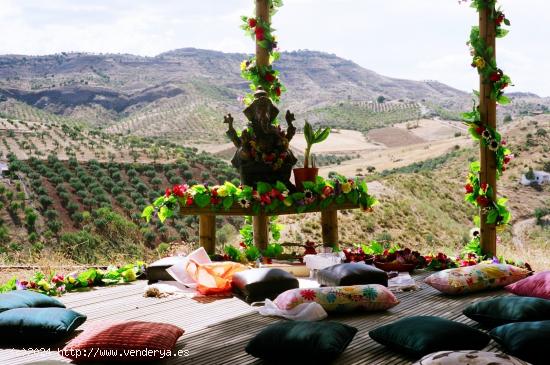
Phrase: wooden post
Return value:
(207, 232)
(329, 225)
(262, 12)
(488, 111)
(261, 231)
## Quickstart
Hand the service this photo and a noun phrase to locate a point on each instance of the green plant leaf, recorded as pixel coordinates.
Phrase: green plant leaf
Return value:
(202, 200)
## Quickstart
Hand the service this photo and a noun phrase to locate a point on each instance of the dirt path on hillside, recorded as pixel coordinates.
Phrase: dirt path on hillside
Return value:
(519, 230)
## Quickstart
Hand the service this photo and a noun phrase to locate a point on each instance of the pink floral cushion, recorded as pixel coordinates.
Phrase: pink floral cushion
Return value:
(537, 286)
(475, 278)
(371, 297)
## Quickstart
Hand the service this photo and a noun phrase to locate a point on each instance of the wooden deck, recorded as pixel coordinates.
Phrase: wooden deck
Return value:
(217, 330)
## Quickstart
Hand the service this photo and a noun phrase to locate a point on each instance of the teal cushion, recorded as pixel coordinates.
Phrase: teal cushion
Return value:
(38, 324)
(499, 311)
(301, 342)
(527, 340)
(422, 335)
(27, 299)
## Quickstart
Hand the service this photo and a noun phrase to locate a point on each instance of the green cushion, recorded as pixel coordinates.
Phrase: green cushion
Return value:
(27, 299)
(422, 335)
(527, 340)
(301, 342)
(499, 311)
(38, 324)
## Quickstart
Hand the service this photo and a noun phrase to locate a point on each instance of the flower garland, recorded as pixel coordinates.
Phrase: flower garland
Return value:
(54, 284)
(477, 193)
(265, 76)
(271, 198)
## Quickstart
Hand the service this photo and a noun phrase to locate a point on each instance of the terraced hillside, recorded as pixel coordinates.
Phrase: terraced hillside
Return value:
(422, 206)
(183, 94)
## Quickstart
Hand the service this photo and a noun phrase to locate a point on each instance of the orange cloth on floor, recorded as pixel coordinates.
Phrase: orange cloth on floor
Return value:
(214, 278)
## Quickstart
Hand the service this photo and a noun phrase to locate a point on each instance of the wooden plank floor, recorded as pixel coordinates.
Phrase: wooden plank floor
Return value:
(217, 330)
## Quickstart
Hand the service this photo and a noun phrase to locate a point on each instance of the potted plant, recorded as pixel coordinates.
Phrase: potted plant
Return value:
(308, 173)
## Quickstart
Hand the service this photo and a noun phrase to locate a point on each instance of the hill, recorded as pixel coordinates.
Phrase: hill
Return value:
(183, 94)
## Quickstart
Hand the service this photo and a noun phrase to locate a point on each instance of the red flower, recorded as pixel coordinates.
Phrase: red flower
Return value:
(503, 142)
(308, 294)
(269, 77)
(167, 192)
(179, 190)
(482, 200)
(214, 192)
(327, 191)
(278, 91)
(242, 245)
(495, 76)
(484, 186)
(265, 199)
(252, 22)
(24, 283)
(507, 159)
(479, 130)
(500, 18)
(270, 157)
(274, 193)
(189, 201)
(469, 188)
(259, 33)
(503, 86)
(215, 200)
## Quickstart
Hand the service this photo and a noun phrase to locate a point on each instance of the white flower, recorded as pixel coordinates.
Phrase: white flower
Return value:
(245, 203)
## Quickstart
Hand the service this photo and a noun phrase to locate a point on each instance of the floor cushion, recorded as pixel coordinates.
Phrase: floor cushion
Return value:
(422, 335)
(373, 297)
(157, 270)
(27, 299)
(503, 310)
(351, 274)
(257, 285)
(475, 278)
(39, 324)
(138, 339)
(184, 273)
(469, 357)
(527, 340)
(301, 342)
(537, 286)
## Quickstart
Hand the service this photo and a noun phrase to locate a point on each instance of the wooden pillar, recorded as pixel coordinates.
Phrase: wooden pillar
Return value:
(329, 225)
(207, 232)
(261, 231)
(262, 12)
(488, 111)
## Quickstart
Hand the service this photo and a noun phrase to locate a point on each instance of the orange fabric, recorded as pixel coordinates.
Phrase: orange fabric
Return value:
(214, 278)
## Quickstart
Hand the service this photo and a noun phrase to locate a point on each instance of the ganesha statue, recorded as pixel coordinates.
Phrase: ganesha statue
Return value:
(263, 152)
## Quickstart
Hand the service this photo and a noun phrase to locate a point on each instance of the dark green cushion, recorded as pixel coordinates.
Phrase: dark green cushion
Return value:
(301, 342)
(422, 335)
(27, 299)
(499, 311)
(38, 324)
(527, 340)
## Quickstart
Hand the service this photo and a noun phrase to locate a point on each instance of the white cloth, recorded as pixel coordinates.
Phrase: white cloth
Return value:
(322, 260)
(179, 271)
(173, 288)
(302, 312)
(403, 281)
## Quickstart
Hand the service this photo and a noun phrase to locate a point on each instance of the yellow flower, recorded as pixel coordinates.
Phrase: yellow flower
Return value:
(346, 187)
(479, 62)
(43, 284)
(288, 202)
(222, 191)
(243, 65)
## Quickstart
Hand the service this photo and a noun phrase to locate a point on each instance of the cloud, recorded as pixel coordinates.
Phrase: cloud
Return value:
(401, 38)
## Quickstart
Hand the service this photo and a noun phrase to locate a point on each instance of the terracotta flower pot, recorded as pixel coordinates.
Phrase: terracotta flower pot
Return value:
(303, 174)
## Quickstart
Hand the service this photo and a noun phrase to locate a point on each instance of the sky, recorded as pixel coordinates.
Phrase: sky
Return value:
(412, 39)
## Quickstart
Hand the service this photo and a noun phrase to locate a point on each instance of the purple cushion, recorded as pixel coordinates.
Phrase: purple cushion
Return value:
(537, 286)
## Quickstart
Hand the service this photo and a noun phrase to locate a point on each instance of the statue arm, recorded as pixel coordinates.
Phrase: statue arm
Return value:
(231, 132)
(291, 130)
